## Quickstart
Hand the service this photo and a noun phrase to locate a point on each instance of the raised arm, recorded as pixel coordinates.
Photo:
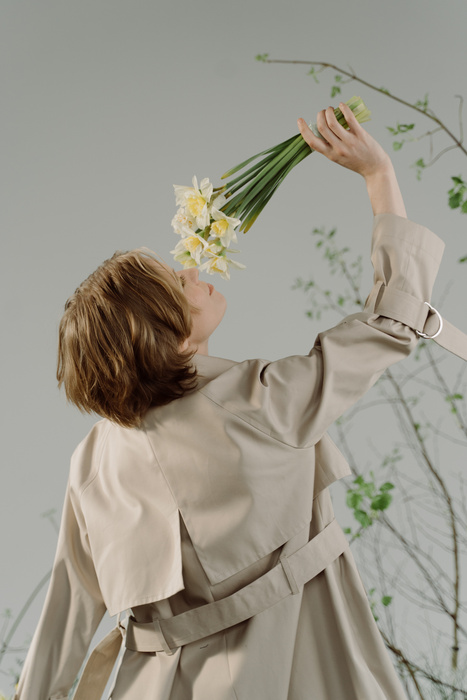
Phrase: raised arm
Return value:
(356, 150)
(296, 399)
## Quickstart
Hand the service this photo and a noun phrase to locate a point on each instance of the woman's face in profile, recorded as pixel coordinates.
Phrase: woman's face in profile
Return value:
(210, 305)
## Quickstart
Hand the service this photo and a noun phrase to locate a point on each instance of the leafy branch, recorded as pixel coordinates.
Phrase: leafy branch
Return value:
(370, 499)
(457, 195)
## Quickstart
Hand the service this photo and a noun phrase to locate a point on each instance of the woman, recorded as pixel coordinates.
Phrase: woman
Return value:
(200, 502)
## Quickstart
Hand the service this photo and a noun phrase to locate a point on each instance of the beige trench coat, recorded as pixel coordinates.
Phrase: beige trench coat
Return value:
(202, 500)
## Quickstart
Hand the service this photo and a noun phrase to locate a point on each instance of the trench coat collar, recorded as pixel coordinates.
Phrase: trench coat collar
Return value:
(209, 367)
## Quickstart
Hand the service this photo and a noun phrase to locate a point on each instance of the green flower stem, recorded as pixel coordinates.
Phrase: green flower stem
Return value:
(250, 215)
(264, 189)
(249, 174)
(256, 211)
(239, 181)
(253, 188)
(239, 203)
(258, 155)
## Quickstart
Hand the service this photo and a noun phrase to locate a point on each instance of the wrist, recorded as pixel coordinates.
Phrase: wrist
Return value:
(380, 170)
(384, 192)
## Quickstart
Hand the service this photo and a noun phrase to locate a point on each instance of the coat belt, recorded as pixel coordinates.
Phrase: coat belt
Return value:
(285, 579)
(422, 317)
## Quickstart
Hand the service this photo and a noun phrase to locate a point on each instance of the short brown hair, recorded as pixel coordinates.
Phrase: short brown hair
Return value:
(119, 338)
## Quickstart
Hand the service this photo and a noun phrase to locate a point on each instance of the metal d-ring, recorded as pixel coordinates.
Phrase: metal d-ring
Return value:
(430, 337)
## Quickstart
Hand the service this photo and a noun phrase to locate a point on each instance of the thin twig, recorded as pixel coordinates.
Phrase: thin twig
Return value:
(425, 112)
(22, 613)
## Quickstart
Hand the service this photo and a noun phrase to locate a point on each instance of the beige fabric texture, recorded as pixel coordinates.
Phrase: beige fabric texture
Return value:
(207, 495)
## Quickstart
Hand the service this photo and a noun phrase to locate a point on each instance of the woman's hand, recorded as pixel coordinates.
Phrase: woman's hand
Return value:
(352, 148)
(355, 149)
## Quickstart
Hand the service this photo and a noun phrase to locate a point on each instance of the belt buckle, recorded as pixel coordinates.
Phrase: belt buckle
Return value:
(425, 335)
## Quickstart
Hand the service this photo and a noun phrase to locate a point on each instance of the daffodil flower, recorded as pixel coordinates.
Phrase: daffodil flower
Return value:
(223, 226)
(185, 259)
(219, 201)
(183, 256)
(221, 265)
(194, 245)
(195, 200)
(183, 224)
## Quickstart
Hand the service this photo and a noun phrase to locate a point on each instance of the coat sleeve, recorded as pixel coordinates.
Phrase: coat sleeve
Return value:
(72, 612)
(297, 398)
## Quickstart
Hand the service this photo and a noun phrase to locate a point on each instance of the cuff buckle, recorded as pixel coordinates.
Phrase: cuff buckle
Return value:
(425, 335)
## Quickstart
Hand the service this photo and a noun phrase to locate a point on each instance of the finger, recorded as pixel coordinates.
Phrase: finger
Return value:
(313, 141)
(323, 126)
(350, 117)
(334, 125)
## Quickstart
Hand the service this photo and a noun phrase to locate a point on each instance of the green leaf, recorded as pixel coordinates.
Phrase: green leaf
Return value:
(335, 90)
(422, 104)
(454, 397)
(386, 600)
(419, 164)
(457, 180)
(338, 78)
(403, 128)
(347, 530)
(464, 207)
(455, 200)
(262, 57)
(387, 486)
(312, 72)
(353, 499)
(463, 260)
(368, 489)
(363, 518)
(382, 501)
(397, 145)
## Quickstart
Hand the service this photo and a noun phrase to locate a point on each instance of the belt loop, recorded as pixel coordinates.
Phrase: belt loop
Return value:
(289, 575)
(123, 625)
(162, 639)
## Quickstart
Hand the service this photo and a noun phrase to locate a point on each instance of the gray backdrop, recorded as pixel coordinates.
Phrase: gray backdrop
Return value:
(105, 105)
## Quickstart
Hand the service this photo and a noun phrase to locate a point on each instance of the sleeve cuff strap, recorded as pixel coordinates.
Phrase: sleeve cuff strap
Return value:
(421, 317)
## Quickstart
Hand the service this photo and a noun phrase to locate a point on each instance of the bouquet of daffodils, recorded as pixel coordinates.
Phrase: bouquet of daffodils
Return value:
(207, 218)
